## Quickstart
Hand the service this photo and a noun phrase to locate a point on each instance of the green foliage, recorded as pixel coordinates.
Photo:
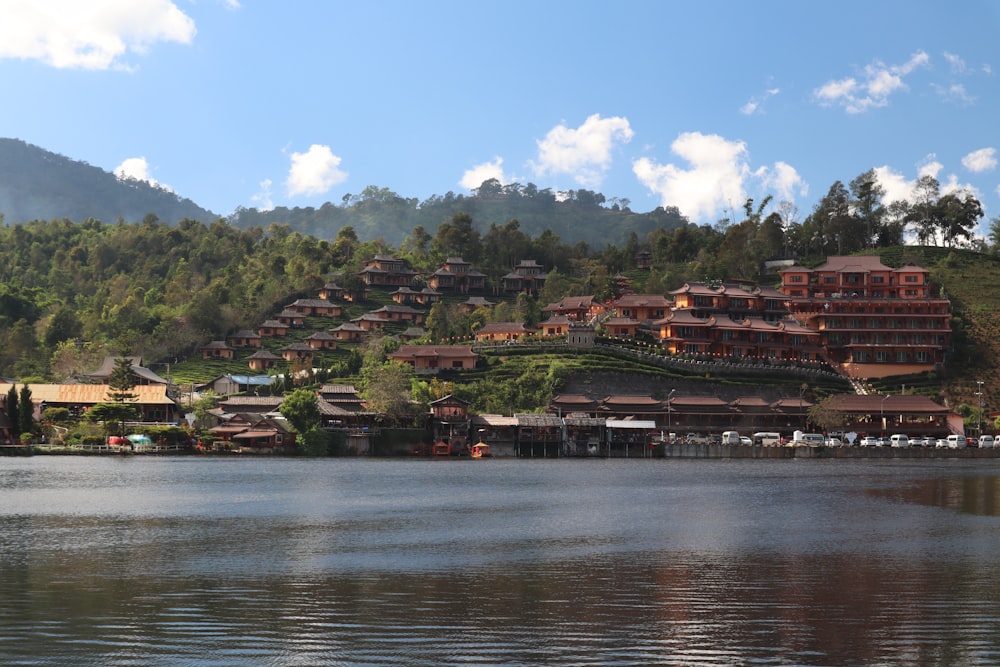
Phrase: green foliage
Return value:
(301, 409)
(314, 442)
(113, 416)
(12, 408)
(25, 411)
(56, 415)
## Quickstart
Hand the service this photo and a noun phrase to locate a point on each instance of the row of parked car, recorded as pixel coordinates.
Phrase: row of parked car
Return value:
(951, 442)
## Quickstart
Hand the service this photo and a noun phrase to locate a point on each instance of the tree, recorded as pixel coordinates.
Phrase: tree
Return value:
(866, 204)
(12, 410)
(387, 389)
(994, 235)
(958, 214)
(25, 411)
(121, 407)
(301, 409)
(923, 214)
(457, 238)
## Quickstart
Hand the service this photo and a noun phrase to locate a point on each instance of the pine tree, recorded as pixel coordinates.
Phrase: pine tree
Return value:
(13, 413)
(25, 411)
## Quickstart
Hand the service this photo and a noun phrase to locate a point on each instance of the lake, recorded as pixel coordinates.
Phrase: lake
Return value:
(227, 561)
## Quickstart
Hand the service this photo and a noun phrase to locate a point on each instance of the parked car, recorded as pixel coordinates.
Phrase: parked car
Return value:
(941, 443)
(869, 441)
(744, 440)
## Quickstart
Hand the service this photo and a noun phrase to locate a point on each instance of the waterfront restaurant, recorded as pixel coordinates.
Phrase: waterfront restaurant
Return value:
(882, 415)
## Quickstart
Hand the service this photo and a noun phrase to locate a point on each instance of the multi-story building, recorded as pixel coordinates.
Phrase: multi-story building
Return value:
(873, 320)
(737, 301)
(457, 275)
(528, 276)
(387, 271)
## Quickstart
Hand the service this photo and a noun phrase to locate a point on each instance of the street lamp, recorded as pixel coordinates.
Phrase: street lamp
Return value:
(980, 395)
(882, 411)
(670, 412)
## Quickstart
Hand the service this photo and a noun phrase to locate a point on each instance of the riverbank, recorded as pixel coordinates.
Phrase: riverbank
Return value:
(719, 451)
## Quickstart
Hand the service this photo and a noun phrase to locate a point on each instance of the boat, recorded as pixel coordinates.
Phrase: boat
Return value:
(481, 450)
(441, 448)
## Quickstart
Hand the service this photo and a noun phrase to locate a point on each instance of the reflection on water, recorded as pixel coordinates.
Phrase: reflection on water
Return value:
(972, 494)
(513, 563)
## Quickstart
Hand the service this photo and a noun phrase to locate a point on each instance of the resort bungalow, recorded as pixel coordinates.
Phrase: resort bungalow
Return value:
(315, 308)
(331, 291)
(243, 338)
(348, 331)
(272, 329)
(557, 325)
(433, 358)
(217, 349)
(261, 360)
(576, 308)
(298, 353)
(321, 340)
(503, 331)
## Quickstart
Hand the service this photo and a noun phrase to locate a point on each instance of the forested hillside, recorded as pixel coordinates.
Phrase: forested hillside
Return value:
(577, 216)
(73, 290)
(38, 185)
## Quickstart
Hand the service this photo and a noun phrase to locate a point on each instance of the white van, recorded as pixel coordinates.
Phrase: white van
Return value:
(899, 440)
(956, 441)
(767, 438)
(809, 439)
(986, 441)
(730, 438)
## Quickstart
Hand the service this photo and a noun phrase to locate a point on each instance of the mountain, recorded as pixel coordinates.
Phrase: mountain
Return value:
(38, 185)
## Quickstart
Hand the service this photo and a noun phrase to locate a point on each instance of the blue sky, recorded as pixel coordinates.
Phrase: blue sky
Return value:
(695, 105)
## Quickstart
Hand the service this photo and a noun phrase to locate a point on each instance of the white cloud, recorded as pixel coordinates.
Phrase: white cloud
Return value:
(898, 188)
(94, 35)
(879, 82)
(138, 168)
(262, 200)
(756, 102)
(955, 92)
(473, 178)
(956, 62)
(584, 152)
(985, 159)
(314, 172)
(784, 179)
(715, 180)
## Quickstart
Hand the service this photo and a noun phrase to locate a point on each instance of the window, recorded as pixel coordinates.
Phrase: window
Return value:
(911, 279)
(923, 357)
(795, 278)
(878, 280)
(902, 356)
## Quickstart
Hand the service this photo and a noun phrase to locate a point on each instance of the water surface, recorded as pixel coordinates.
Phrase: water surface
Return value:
(219, 561)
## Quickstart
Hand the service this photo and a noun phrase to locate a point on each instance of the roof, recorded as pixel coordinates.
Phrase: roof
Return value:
(853, 264)
(313, 303)
(494, 420)
(631, 423)
(91, 394)
(894, 404)
(503, 327)
(263, 354)
(338, 389)
(649, 300)
(434, 350)
(538, 419)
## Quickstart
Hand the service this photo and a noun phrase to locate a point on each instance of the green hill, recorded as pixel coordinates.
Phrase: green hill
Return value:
(38, 185)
